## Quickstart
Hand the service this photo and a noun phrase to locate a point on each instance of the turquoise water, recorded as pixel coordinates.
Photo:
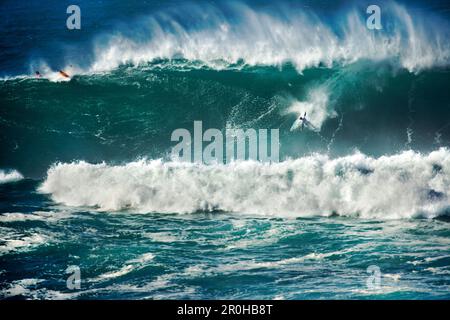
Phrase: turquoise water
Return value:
(87, 182)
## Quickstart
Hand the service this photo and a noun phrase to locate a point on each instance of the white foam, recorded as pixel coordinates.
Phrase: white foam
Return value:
(146, 257)
(404, 185)
(439, 270)
(316, 107)
(20, 288)
(161, 236)
(247, 265)
(10, 176)
(17, 216)
(114, 274)
(254, 37)
(32, 289)
(259, 239)
(129, 266)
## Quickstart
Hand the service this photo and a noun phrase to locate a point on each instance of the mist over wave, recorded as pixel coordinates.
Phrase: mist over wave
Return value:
(405, 185)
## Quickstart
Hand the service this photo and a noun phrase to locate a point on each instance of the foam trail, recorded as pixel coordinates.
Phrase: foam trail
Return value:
(404, 185)
(10, 176)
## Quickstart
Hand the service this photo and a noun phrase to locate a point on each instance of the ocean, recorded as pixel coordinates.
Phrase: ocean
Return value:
(94, 206)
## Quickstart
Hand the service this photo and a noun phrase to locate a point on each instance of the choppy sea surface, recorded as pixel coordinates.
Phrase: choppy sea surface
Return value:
(122, 255)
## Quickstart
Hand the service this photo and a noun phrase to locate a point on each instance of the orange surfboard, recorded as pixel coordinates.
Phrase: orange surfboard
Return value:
(64, 74)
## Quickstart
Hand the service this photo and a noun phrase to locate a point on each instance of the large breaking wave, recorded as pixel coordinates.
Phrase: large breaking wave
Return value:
(235, 35)
(405, 185)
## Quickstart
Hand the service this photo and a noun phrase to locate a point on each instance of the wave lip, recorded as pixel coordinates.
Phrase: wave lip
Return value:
(405, 185)
(10, 176)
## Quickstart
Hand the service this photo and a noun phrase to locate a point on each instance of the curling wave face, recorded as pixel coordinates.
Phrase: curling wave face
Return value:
(405, 185)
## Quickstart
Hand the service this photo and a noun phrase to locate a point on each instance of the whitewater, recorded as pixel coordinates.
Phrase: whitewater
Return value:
(406, 185)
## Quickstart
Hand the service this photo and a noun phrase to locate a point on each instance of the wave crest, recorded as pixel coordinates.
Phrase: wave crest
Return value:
(404, 185)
